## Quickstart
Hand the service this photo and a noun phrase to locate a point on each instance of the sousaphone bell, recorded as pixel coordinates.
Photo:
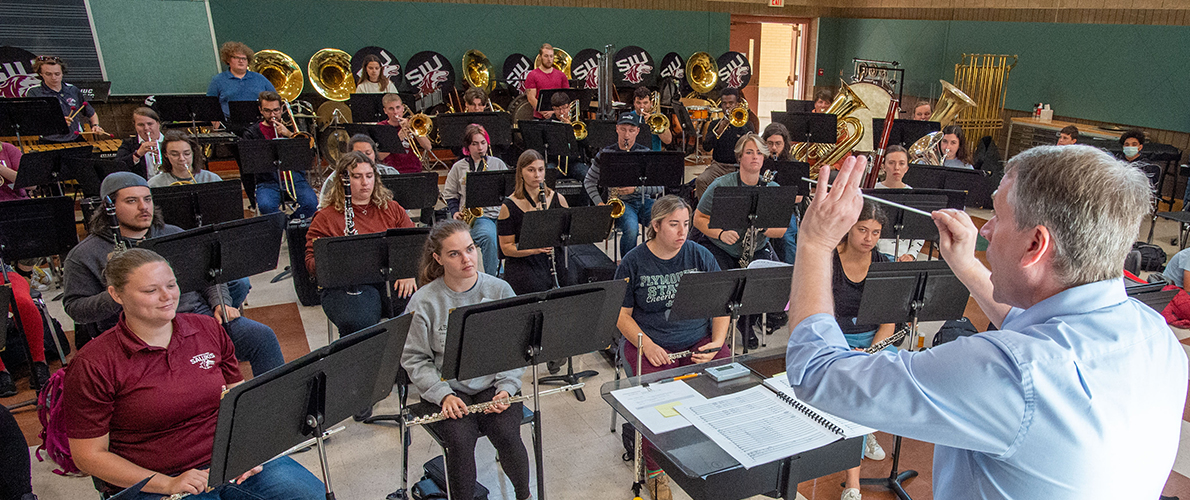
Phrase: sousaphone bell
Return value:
(330, 73)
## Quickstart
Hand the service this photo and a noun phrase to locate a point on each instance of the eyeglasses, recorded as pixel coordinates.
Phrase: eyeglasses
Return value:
(240, 57)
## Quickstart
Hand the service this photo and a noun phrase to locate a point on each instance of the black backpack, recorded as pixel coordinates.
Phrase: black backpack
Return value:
(1152, 257)
(953, 329)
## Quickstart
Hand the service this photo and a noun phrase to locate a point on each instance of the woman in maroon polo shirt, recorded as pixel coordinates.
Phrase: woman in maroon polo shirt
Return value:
(143, 398)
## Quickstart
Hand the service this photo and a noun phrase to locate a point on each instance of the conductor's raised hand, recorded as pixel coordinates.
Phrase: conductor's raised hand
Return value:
(835, 208)
(956, 238)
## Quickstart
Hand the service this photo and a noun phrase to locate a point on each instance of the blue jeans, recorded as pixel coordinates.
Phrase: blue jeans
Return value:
(255, 342)
(354, 309)
(484, 234)
(268, 197)
(239, 291)
(635, 211)
(789, 242)
(281, 479)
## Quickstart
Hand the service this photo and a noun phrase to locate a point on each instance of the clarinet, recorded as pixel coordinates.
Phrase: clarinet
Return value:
(553, 263)
(894, 338)
(114, 224)
(411, 419)
(348, 211)
(748, 246)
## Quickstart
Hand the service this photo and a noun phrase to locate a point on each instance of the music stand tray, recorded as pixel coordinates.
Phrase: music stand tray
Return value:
(565, 226)
(817, 128)
(417, 190)
(273, 156)
(245, 112)
(905, 132)
(39, 168)
(600, 134)
(744, 207)
(735, 293)
(193, 205)
(451, 127)
(789, 173)
(488, 189)
(976, 183)
(189, 108)
(550, 138)
(219, 253)
(910, 226)
(364, 259)
(283, 407)
(37, 227)
(641, 168)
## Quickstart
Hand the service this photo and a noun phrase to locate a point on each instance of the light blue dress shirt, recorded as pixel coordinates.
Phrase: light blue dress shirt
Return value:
(1079, 396)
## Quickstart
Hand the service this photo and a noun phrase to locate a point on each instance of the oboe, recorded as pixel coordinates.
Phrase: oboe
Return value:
(553, 263)
(480, 407)
(348, 211)
(114, 224)
(894, 338)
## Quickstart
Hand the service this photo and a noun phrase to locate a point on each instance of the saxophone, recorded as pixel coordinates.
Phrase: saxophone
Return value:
(348, 211)
(553, 263)
(748, 243)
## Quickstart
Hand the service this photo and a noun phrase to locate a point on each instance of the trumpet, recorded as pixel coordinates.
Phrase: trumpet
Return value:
(154, 149)
(410, 419)
(657, 121)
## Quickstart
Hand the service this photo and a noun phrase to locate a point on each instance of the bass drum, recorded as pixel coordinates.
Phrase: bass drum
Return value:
(877, 99)
(520, 109)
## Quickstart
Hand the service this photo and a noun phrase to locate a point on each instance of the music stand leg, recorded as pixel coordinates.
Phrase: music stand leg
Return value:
(313, 421)
(538, 458)
(894, 481)
(569, 378)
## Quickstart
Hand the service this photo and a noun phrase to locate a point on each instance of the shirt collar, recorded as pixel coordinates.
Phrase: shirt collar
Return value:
(1076, 300)
(132, 344)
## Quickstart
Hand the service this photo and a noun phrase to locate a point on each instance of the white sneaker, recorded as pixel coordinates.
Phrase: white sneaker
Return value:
(872, 449)
(851, 494)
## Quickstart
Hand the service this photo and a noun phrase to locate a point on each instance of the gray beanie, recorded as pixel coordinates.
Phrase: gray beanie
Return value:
(120, 180)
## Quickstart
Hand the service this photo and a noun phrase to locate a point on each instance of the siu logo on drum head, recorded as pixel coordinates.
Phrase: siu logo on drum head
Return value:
(734, 70)
(427, 71)
(516, 69)
(634, 67)
(672, 66)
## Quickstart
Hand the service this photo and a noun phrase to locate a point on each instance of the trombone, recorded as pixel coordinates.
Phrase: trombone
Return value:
(737, 118)
(657, 121)
(420, 125)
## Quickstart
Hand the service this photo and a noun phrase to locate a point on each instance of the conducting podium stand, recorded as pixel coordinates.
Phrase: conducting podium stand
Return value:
(192, 205)
(284, 407)
(909, 292)
(520, 331)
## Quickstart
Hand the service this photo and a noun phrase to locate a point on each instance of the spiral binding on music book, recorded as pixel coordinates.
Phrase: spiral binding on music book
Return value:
(810, 412)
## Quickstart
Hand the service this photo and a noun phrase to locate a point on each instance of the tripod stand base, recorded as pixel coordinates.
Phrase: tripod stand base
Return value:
(570, 378)
(893, 483)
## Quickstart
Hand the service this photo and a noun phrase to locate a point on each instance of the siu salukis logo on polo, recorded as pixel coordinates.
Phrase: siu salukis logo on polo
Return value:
(205, 360)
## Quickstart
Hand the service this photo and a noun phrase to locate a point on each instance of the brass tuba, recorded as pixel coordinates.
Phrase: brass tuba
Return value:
(330, 72)
(280, 70)
(821, 154)
(702, 73)
(928, 149)
(477, 71)
(657, 121)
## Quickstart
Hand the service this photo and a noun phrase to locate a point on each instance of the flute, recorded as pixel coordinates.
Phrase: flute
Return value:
(688, 353)
(479, 407)
(884, 201)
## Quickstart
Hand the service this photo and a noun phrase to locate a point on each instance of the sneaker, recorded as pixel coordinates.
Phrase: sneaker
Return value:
(872, 449)
(8, 389)
(658, 487)
(777, 320)
(753, 342)
(851, 494)
(40, 375)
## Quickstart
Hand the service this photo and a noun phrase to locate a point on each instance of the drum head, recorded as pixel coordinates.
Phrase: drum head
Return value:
(327, 112)
(877, 99)
(585, 67)
(516, 68)
(734, 70)
(634, 67)
(520, 109)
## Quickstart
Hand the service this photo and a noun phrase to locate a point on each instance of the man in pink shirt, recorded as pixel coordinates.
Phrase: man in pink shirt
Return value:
(545, 77)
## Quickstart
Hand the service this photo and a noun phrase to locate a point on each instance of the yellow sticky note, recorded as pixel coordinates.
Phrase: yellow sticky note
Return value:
(667, 410)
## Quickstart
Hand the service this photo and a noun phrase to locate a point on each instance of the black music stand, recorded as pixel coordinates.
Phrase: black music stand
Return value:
(816, 128)
(418, 190)
(243, 112)
(31, 116)
(271, 413)
(909, 292)
(90, 172)
(640, 169)
(488, 189)
(40, 168)
(511, 333)
(600, 134)
(789, 173)
(386, 136)
(275, 156)
(905, 225)
(744, 208)
(798, 106)
(451, 127)
(562, 227)
(736, 292)
(367, 108)
(583, 96)
(191, 109)
(550, 138)
(977, 183)
(193, 205)
(905, 132)
(216, 254)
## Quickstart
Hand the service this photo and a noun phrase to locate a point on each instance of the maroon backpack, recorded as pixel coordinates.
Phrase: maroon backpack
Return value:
(53, 431)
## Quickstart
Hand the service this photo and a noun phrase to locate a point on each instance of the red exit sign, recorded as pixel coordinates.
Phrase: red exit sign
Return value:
(776, 3)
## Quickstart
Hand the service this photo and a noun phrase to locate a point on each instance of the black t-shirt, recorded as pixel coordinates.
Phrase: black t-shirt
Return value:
(533, 273)
(847, 295)
(723, 148)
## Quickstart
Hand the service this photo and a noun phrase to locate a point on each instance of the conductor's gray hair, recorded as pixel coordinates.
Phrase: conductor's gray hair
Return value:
(1091, 203)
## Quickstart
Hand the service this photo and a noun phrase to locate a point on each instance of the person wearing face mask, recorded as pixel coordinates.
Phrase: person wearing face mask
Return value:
(141, 153)
(483, 228)
(373, 210)
(365, 145)
(896, 165)
(179, 164)
(1133, 141)
(373, 80)
(726, 244)
(528, 270)
(955, 147)
(636, 205)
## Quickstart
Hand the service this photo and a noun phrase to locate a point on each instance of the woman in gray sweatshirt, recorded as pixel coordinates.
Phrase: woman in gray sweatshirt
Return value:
(449, 279)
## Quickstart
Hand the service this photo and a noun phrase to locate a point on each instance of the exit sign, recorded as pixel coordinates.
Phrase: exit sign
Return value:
(776, 3)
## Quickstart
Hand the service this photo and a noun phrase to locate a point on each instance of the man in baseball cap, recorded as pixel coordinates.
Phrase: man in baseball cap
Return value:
(638, 202)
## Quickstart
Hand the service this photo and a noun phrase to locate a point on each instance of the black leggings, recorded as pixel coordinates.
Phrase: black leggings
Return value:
(503, 429)
(15, 478)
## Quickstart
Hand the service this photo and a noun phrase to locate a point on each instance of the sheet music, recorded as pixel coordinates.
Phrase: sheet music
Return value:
(780, 383)
(654, 405)
(756, 427)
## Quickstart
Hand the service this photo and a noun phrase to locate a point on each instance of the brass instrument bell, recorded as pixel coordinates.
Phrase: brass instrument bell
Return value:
(477, 70)
(580, 128)
(702, 72)
(330, 73)
(280, 70)
(823, 154)
(657, 121)
(561, 61)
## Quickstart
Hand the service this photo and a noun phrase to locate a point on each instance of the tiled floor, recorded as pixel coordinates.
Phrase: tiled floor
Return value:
(582, 455)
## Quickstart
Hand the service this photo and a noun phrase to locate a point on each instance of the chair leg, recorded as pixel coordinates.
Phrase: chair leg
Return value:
(330, 331)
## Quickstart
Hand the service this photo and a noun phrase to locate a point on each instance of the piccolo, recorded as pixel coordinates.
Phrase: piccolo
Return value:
(687, 354)
(480, 407)
(884, 201)
(894, 338)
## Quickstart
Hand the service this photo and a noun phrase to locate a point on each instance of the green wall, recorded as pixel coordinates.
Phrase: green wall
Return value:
(155, 46)
(301, 27)
(1128, 74)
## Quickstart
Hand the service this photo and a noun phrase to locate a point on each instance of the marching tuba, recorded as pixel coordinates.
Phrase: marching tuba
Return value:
(330, 73)
(702, 73)
(477, 71)
(823, 154)
(280, 70)
(928, 149)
